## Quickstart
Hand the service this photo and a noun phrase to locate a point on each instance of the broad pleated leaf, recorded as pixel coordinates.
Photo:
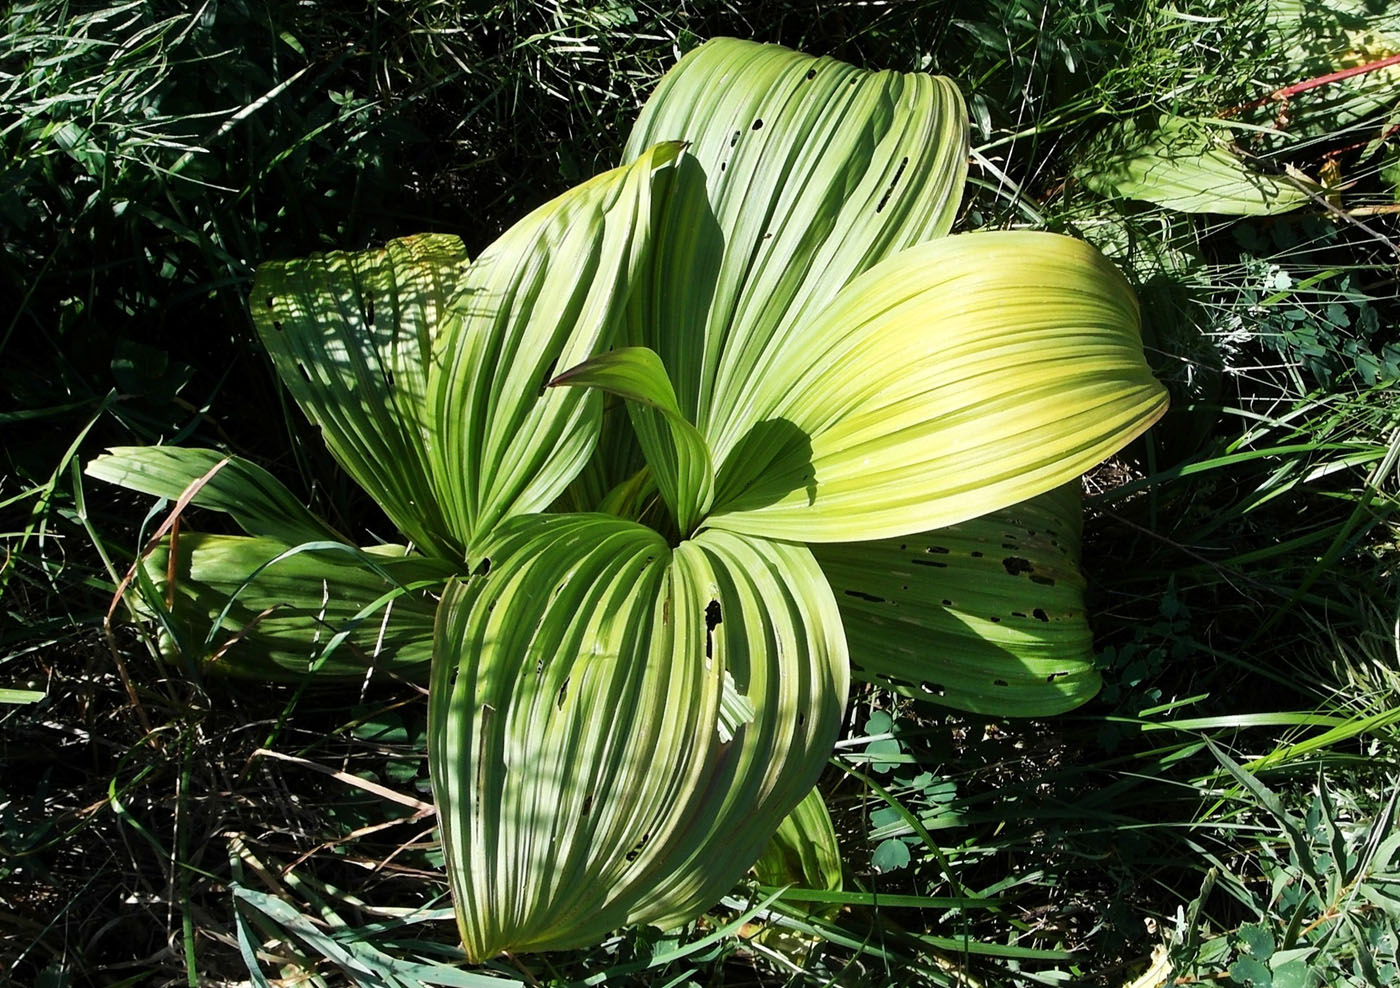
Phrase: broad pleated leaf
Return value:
(816, 170)
(350, 335)
(666, 308)
(674, 449)
(960, 377)
(986, 615)
(257, 501)
(545, 296)
(1187, 165)
(257, 607)
(616, 728)
(804, 851)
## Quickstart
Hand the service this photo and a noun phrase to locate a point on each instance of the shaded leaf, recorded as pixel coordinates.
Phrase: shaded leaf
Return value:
(350, 335)
(881, 723)
(1294, 974)
(804, 851)
(1314, 39)
(891, 855)
(675, 450)
(257, 607)
(986, 615)
(257, 501)
(1249, 973)
(1257, 940)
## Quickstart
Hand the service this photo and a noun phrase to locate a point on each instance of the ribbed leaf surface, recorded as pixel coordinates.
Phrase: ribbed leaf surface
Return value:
(986, 615)
(1186, 164)
(674, 449)
(257, 501)
(350, 335)
(285, 607)
(545, 296)
(804, 851)
(815, 171)
(616, 729)
(957, 378)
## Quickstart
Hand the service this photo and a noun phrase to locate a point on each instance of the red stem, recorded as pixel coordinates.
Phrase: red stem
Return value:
(1322, 80)
(1315, 82)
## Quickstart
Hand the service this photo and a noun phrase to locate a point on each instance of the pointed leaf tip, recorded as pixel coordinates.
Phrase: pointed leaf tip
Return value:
(675, 450)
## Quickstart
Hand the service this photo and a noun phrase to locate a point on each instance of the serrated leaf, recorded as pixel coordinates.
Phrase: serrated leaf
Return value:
(580, 774)
(986, 615)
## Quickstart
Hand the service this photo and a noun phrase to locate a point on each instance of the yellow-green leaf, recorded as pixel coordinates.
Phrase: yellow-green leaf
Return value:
(548, 294)
(986, 615)
(350, 335)
(1187, 165)
(957, 378)
(616, 728)
(674, 449)
(815, 171)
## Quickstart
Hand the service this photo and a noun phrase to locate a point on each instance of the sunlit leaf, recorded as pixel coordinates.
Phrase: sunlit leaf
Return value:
(1308, 40)
(545, 296)
(1187, 165)
(577, 723)
(959, 377)
(622, 710)
(816, 170)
